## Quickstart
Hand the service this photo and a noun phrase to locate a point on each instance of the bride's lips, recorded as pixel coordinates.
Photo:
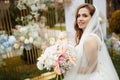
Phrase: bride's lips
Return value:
(80, 23)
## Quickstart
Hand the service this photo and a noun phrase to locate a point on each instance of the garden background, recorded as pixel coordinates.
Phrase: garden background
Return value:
(18, 61)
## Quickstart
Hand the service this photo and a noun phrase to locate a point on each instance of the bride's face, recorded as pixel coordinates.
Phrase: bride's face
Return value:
(83, 18)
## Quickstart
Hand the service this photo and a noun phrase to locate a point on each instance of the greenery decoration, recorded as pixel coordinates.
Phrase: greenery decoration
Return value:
(115, 22)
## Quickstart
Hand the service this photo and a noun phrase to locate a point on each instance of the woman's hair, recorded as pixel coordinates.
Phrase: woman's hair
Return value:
(79, 31)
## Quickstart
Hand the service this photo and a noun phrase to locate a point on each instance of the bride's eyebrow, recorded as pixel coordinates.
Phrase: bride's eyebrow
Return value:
(84, 14)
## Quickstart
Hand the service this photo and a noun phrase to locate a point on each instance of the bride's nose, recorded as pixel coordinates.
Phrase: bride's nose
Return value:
(80, 18)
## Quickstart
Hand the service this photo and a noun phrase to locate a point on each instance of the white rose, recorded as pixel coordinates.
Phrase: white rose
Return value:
(16, 46)
(42, 6)
(58, 42)
(39, 65)
(22, 38)
(34, 8)
(31, 40)
(52, 41)
(51, 62)
(62, 36)
(26, 41)
(22, 47)
(29, 2)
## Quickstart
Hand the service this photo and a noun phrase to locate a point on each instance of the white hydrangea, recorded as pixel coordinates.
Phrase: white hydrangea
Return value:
(12, 39)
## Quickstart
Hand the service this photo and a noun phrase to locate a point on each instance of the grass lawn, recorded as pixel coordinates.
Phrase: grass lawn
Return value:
(17, 69)
(116, 62)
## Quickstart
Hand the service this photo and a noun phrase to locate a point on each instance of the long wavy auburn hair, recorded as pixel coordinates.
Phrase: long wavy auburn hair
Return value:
(79, 31)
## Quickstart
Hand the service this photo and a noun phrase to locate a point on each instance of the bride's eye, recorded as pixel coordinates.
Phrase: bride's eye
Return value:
(85, 15)
(78, 15)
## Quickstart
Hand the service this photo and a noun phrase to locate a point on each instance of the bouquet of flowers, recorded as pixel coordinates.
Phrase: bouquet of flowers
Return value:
(61, 57)
(64, 62)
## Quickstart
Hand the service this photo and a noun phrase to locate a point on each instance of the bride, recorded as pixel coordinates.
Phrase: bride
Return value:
(94, 62)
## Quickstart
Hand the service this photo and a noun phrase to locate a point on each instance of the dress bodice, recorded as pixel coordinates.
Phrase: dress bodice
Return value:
(104, 69)
(79, 48)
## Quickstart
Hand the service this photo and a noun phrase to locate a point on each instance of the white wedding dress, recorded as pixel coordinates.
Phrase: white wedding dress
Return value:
(102, 68)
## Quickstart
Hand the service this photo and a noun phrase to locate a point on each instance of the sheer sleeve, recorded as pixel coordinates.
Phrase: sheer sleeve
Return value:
(90, 55)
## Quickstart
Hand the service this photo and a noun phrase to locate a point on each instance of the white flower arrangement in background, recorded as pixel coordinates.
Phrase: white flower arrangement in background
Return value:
(23, 3)
(27, 36)
(52, 40)
(16, 46)
(33, 14)
(28, 33)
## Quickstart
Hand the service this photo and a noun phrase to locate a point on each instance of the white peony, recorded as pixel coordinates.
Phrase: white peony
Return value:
(42, 6)
(22, 47)
(26, 41)
(52, 41)
(29, 17)
(62, 35)
(22, 30)
(37, 42)
(29, 2)
(34, 8)
(39, 65)
(22, 38)
(18, 27)
(31, 40)
(20, 5)
(16, 46)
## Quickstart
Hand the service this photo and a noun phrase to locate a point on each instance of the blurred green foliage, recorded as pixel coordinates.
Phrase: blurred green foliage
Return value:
(17, 69)
(116, 60)
(115, 22)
